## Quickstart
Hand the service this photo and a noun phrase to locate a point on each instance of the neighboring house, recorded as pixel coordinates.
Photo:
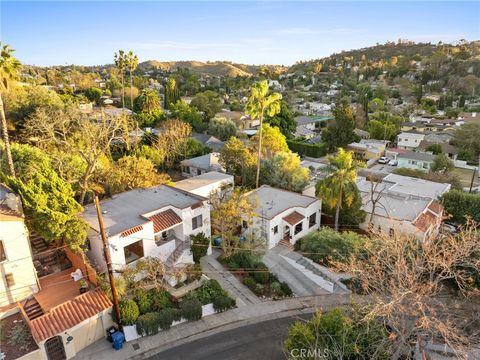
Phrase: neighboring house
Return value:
(312, 122)
(18, 276)
(368, 149)
(403, 204)
(211, 141)
(282, 215)
(243, 122)
(412, 160)
(362, 133)
(409, 140)
(449, 150)
(304, 131)
(426, 127)
(155, 222)
(201, 165)
(207, 183)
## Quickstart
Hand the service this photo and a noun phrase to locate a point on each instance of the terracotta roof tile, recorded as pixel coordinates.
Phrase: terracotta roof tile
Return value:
(164, 220)
(436, 207)
(131, 231)
(69, 314)
(294, 218)
(425, 220)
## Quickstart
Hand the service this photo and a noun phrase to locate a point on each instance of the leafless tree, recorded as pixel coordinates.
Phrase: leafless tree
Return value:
(423, 290)
(72, 132)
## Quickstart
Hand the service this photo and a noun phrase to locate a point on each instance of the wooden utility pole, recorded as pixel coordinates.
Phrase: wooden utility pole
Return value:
(473, 178)
(106, 252)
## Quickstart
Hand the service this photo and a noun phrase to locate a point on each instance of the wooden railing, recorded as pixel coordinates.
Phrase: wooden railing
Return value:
(79, 263)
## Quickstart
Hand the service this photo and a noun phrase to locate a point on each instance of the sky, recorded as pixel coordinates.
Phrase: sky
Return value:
(89, 32)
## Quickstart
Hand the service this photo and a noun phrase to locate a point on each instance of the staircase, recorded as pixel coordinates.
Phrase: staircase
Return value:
(32, 309)
(309, 266)
(285, 242)
(180, 247)
(38, 244)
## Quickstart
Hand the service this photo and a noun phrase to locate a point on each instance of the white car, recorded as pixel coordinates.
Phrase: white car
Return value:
(383, 160)
(393, 163)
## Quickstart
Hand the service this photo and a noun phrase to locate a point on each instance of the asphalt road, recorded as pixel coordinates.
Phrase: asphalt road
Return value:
(262, 341)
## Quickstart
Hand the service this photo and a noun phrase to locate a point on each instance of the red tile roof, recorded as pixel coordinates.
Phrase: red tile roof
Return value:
(425, 220)
(69, 314)
(436, 207)
(164, 220)
(294, 218)
(131, 231)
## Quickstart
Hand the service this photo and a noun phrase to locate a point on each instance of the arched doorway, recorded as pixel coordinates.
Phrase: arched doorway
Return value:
(55, 349)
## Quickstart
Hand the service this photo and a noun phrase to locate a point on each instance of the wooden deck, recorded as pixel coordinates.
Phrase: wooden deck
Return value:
(56, 289)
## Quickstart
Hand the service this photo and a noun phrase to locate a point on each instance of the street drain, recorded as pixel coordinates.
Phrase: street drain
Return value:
(136, 346)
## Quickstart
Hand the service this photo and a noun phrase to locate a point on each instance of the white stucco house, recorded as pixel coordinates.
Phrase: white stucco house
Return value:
(18, 278)
(153, 222)
(207, 183)
(282, 215)
(409, 140)
(402, 204)
(201, 164)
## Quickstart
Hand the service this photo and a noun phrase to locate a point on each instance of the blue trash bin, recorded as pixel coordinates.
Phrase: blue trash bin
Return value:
(117, 340)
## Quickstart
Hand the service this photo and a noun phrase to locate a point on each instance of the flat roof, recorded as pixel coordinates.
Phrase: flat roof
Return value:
(200, 181)
(415, 186)
(272, 201)
(416, 156)
(302, 120)
(205, 162)
(124, 211)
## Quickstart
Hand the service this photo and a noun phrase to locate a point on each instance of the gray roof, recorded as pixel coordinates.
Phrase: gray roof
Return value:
(415, 186)
(209, 140)
(272, 201)
(303, 120)
(124, 211)
(202, 180)
(416, 156)
(205, 162)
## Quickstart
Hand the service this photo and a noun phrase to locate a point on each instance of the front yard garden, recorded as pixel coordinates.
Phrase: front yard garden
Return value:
(156, 309)
(255, 275)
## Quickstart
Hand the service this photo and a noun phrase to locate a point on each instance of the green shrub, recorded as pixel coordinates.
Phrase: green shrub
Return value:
(176, 314)
(223, 303)
(312, 150)
(259, 289)
(276, 289)
(250, 283)
(148, 324)
(199, 246)
(460, 204)
(327, 245)
(207, 292)
(161, 299)
(144, 301)
(244, 259)
(128, 312)
(191, 309)
(165, 318)
(286, 289)
(261, 274)
(20, 336)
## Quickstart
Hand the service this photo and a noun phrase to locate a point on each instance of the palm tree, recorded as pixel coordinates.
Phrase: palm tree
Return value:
(131, 61)
(8, 71)
(258, 104)
(339, 186)
(120, 63)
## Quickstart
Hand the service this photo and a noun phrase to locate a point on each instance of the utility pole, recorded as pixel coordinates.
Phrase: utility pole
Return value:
(473, 178)
(106, 252)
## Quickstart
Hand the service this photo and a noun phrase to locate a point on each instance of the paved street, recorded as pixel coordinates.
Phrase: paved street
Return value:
(257, 341)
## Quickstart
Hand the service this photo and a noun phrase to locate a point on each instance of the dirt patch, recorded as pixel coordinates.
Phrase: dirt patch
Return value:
(25, 344)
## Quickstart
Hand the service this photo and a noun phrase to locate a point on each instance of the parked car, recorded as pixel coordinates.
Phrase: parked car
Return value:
(383, 160)
(393, 163)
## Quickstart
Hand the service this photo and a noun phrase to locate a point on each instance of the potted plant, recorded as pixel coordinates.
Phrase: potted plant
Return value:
(83, 285)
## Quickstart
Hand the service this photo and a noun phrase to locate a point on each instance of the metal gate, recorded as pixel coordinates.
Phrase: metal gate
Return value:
(55, 349)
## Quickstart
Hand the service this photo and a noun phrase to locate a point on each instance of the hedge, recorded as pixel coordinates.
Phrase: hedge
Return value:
(191, 309)
(147, 324)
(312, 150)
(128, 312)
(460, 204)
(223, 303)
